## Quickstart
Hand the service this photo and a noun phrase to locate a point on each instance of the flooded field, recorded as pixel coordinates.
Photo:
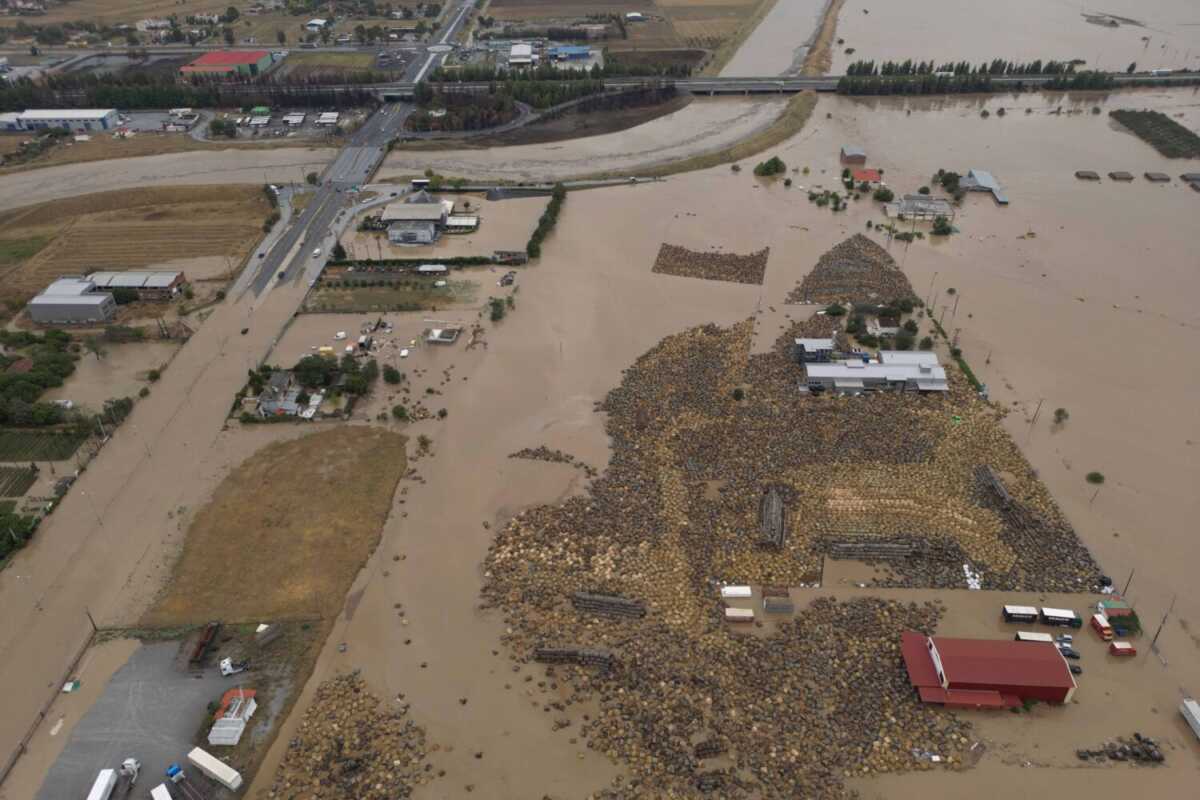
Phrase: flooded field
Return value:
(704, 125)
(121, 372)
(503, 225)
(1153, 33)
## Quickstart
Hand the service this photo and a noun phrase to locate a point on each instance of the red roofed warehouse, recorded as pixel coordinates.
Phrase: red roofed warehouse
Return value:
(247, 63)
(985, 673)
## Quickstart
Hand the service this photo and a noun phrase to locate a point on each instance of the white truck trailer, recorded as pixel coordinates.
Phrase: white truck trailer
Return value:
(1190, 710)
(115, 784)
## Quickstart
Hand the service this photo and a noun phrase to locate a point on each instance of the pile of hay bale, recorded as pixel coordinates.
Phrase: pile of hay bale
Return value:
(855, 271)
(676, 515)
(347, 746)
(674, 260)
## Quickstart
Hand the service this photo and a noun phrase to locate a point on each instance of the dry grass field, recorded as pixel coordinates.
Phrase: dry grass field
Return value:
(104, 148)
(124, 230)
(287, 531)
(311, 65)
(562, 9)
(112, 11)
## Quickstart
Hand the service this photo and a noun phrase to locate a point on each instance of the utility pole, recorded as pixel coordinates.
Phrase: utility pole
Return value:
(1037, 411)
(929, 303)
(1154, 641)
(954, 313)
(1129, 580)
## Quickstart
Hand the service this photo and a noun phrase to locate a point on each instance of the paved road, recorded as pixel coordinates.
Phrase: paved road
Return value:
(353, 167)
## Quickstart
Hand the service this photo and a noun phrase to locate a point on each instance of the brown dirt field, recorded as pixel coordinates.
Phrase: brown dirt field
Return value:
(287, 531)
(551, 9)
(128, 230)
(103, 148)
(120, 10)
(820, 56)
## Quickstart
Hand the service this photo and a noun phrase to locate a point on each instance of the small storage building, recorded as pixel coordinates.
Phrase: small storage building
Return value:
(520, 55)
(231, 63)
(853, 154)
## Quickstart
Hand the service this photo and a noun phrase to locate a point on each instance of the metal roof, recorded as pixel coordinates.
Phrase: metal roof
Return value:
(853, 150)
(71, 300)
(1059, 612)
(226, 58)
(1001, 662)
(412, 212)
(38, 114)
(851, 370)
(462, 221)
(909, 357)
(128, 280)
(69, 287)
(815, 344)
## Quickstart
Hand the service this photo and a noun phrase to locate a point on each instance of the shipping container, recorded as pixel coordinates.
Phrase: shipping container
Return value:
(214, 768)
(739, 615)
(1061, 616)
(1122, 649)
(1027, 636)
(1020, 614)
(160, 792)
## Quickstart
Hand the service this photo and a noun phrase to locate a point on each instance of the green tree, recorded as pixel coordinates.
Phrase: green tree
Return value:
(1061, 415)
(835, 310)
(1095, 478)
(772, 166)
(884, 195)
(927, 343)
(392, 375)
(315, 371)
(312, 178)
(400, 413)
(123, 295)
(281, 37)
(910, 326)
(228, 35)
(338, 252)
(941, 226)
(93, 345)
(497, 308)
(231, 14)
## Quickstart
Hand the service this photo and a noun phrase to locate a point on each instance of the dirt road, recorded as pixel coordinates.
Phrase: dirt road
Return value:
(219, 166)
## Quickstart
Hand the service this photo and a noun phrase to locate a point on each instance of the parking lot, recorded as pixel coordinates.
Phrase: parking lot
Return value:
(278, 128)
(150, 711)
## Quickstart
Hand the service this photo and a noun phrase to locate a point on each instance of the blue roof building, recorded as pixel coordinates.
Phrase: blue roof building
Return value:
(568, 52)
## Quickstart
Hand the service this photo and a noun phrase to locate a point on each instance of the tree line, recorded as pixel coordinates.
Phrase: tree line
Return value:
(140, 90)
(995, 67)
(547, 221)
(613, 68)
(967, 83)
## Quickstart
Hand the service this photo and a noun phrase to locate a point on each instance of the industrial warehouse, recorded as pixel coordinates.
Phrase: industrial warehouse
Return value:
(75, 119)
(230, 63)
(94, 298)
(896, 371)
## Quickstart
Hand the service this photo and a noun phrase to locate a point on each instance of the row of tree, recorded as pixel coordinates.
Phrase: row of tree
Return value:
(547, 221)
(995, 67)
(145, 91)
(613, 68)
(963, 84)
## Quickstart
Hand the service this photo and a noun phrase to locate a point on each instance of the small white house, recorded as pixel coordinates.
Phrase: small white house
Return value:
(316, 25)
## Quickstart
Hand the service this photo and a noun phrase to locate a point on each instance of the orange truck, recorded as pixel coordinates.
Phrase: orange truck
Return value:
(1100, 625)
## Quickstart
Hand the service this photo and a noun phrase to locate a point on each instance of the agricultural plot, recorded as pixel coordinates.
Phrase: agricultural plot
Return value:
(1160, 132)
(114, 11)
(124, 230)
(563, 9)
(15, 481)
(325, 65)
(26, 446)
(418, 294)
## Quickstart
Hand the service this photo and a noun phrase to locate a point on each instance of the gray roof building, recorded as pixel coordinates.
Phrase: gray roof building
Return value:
(853, 377)
(412, 232)
(977, 180)
(72, 309)
(69, 287)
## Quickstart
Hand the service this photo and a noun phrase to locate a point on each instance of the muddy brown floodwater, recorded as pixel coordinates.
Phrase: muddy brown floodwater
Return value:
(1091, 313)
(1021, 30)
(779, 42)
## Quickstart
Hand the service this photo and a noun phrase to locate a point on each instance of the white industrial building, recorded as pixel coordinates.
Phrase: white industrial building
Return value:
(895, 371)
(76, 119)
(72, 301)
(412, 232)
(814, 350)
(520, 55)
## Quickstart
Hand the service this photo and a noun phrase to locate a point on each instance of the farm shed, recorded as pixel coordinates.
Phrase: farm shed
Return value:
(241, 63)
(75, 119)
(977, 180)
(985, 673)
(853, 154)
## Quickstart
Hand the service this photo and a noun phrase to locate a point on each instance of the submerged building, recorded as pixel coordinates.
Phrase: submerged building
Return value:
(895, 371)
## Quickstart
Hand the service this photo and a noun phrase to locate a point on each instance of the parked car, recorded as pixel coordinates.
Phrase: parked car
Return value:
(1076, 669)
(1069, 652)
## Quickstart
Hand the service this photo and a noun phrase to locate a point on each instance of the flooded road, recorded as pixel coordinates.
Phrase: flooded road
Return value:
(1156, 33)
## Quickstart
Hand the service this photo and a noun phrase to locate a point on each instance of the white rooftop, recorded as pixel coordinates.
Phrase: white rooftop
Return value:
(915, 357)
(70, 300)
(850, 374)
(521, 51)
(815, 344)
(67, 113)
(69, 287)
(423, 212)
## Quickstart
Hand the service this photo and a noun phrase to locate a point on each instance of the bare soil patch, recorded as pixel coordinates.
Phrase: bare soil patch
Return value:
(715, 266)
(287, 531)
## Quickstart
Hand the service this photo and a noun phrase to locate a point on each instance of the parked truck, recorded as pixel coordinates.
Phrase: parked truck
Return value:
(116, 784)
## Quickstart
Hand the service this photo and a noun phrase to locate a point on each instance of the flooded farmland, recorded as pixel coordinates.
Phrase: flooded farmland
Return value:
(1152, 33)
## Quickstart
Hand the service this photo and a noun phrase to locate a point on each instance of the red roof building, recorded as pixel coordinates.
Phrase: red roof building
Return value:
(230, 62)
(985, 673)
(868, 175)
